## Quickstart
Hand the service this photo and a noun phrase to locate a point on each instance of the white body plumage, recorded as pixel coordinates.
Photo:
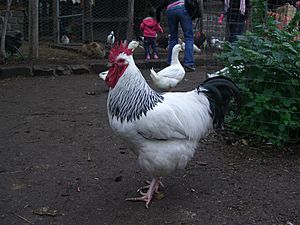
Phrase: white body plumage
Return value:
(166, 132)
(162, 129)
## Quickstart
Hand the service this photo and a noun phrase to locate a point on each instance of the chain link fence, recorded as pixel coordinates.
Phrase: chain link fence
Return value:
(78, 22)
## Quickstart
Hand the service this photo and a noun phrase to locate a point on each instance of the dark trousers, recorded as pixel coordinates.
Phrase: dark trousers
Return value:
(235, 28)
(150, 41)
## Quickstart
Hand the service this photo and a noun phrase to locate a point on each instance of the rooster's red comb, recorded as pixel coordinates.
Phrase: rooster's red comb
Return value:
(117, 49)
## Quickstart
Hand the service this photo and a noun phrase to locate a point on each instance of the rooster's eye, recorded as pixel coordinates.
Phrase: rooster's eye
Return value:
(121, 61)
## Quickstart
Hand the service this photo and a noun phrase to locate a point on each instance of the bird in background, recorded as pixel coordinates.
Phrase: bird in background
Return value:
(93, 49)
(65, 39)
(200, 40)
(162, 129)
(169, 77)
(195, 48)
(110, 40)
(163, 41)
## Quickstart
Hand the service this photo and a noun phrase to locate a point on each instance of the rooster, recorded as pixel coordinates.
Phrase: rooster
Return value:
(132, 45)
(200, 39)
(163, 129)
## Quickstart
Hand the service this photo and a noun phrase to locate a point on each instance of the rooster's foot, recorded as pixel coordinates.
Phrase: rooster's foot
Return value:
(160, 184)
(147, 197)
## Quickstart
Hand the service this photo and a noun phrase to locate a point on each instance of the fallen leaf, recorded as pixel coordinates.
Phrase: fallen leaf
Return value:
(160, 196)
(45, 211)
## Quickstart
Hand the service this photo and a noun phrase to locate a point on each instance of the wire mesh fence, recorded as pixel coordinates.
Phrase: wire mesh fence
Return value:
(75, 22)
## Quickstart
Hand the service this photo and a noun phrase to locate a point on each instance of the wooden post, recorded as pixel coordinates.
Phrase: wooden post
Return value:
(55, 14)
(33, 29)
(88, 16)
(5, 22)
(130, 20)
(202, 16)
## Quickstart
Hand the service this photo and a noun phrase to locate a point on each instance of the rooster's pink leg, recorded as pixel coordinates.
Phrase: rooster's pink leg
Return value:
(147, 186)
(147, 197)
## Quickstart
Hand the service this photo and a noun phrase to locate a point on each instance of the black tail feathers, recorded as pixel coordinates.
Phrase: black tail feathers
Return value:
(220, 92)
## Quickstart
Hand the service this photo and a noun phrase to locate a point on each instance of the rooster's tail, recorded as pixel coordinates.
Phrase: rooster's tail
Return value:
(220, 92)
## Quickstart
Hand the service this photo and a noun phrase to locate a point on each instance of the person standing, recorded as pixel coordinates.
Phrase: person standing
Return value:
(236, 12)
(178, 14)
(150, 27)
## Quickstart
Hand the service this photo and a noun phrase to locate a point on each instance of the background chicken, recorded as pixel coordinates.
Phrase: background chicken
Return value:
(163, 41)
(110, 39)
(200, 40)
(169, 77)
(163, 130)
(93, 50)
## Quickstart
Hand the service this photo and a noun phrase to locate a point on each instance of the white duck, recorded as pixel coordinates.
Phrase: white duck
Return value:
(195, 48)
(170, 76)
(132, 45)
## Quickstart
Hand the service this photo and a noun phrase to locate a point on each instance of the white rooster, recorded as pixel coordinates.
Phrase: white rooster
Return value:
(169, 77)
(163, 130)
(111, 38)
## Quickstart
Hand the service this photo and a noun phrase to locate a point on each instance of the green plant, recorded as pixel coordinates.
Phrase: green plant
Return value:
(269, 81)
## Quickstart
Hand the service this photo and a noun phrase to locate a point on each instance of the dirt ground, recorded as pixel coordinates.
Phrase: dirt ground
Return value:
(60, 164)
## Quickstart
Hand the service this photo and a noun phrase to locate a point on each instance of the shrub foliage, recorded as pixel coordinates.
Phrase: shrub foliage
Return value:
(269, 80)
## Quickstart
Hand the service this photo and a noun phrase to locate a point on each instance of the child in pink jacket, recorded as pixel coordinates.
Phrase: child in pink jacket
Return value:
(150, 27)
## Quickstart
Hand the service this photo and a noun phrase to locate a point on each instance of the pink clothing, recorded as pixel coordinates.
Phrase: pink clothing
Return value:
(175, 4)
(150, 27)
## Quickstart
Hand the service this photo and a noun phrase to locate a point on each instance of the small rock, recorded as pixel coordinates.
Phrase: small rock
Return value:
(90, 93)
(60, 70)
(118, 179)
(80, 69)
(42, 71)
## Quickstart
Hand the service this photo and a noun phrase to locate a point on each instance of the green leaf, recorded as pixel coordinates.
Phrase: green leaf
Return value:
(281, 127)
(289, 46)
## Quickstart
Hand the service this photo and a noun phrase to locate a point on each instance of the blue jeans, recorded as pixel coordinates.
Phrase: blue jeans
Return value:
(176, 15)
(150, 41)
